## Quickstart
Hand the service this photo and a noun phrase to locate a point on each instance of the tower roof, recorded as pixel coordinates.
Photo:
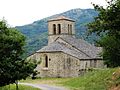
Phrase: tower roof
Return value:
(61, 18)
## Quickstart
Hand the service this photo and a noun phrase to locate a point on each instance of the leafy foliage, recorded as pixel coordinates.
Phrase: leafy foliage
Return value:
(12, 66)
(106, 26)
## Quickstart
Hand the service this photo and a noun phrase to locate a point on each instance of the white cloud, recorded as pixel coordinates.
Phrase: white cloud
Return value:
(20, 12)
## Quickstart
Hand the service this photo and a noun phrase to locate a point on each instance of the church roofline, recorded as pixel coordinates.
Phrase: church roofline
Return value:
(74, 47)
(57, 47)
(60, 34)
(47, 51)
(61, 18)
(70, 55)
(95, 52)
(81, 52)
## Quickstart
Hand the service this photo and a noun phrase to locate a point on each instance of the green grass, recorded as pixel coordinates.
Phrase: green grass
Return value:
(21, 87)
(95, 80)
(51, 81)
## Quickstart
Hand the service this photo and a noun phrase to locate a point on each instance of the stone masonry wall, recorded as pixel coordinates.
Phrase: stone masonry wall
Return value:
(64, 29)
(64, 65)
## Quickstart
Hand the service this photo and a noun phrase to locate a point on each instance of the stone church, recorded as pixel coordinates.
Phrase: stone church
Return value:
(66, 56)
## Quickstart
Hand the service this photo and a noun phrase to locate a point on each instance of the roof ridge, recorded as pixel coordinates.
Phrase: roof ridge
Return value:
(61, 17)
(59, 47)
(74, 46)
(73, 49)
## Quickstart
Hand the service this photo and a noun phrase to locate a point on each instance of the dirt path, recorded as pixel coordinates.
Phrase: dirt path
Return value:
(44, 86)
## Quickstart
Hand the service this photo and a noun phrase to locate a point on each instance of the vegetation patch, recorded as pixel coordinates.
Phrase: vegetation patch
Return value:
(114, 83)
(21, 87)
(95, 80)
(50, 81)
(102, 79)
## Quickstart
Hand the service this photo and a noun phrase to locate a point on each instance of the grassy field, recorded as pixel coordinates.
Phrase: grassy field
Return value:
(95, 80)
(21, 87)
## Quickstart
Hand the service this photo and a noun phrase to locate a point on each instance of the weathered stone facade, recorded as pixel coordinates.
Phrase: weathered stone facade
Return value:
(66, 26)
(66, 56)
(64, 65)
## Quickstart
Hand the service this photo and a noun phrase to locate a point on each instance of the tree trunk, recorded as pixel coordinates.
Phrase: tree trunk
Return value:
(16, 82)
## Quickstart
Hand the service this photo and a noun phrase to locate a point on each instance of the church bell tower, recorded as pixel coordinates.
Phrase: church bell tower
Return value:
(60, 27)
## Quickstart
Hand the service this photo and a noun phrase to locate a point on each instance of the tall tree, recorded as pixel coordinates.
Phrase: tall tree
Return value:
(12, 66)
(107, 26)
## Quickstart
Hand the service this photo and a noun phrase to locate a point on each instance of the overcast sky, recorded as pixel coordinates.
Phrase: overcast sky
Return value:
(21, 12)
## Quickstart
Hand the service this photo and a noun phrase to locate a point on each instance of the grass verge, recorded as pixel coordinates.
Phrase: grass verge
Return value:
(21, 87)
(102, 79)
(95, 80)
(50, 81)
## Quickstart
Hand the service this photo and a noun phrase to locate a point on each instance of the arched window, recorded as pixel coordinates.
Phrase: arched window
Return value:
(54, 29)
(70, 29)
(59, 29)
(46, 61)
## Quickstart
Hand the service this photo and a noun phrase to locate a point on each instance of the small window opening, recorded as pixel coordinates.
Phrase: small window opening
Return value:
(46, 61)
(70, 29)
(54, 29)
(59, 29)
